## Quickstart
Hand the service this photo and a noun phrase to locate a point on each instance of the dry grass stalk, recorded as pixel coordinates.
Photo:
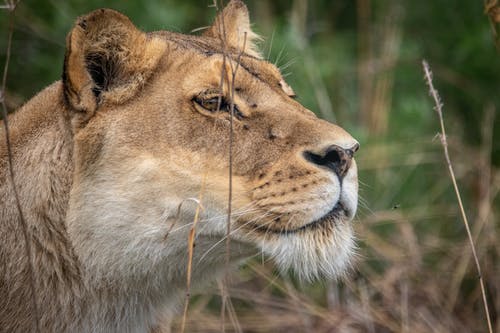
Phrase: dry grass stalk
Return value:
(364, 71)
(438, 107)
(222, 34)
(484, 205)
(231, 82)
(234, 70)
(191, 238)
(11, 7)
(177, 216)
(381, 102)
(299, 23)
(226, 302)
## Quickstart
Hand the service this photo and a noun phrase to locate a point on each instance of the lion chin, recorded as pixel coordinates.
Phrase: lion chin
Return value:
(126, 157)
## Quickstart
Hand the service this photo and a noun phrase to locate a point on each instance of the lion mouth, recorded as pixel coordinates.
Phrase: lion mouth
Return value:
(337, 214)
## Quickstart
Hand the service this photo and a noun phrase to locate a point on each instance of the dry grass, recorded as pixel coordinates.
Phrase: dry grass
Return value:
(438, 108)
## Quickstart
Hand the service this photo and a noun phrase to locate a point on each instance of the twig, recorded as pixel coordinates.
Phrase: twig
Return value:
(222, 35)
(438, 107)
(231, 139)
(177, 216)
(22, 221)
(319, 88)
(485, 201)
(234, 70)
(191, 237)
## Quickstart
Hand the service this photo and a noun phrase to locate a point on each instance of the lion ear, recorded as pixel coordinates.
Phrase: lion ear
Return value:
(233, 25)
(107, 60)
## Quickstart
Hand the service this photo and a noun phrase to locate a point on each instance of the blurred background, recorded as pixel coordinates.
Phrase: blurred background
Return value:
(356, 63)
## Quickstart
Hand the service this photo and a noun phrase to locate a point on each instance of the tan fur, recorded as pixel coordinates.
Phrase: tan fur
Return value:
(105, 158)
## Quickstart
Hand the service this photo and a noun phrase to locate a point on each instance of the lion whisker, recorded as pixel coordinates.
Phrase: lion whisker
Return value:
(232, 232)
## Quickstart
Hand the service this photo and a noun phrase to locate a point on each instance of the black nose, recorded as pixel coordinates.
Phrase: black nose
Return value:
(334, 158)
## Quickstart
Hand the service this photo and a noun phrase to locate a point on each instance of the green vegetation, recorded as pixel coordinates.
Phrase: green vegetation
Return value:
(357, 63)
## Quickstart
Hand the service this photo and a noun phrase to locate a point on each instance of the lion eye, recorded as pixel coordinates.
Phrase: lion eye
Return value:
(212, 104)
(210, 101)
(216, 103)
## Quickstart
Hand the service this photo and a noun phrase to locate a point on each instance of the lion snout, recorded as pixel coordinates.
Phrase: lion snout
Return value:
(334, 157)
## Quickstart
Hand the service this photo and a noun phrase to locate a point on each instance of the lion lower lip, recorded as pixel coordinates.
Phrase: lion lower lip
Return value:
(333, 216)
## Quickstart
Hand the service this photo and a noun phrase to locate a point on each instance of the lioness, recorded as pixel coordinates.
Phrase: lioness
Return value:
(109, 158)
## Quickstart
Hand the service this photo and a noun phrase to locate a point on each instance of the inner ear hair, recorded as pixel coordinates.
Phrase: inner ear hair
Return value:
(100, 68)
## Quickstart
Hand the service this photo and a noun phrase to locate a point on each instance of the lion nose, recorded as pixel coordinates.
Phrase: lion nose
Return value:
(334, 157)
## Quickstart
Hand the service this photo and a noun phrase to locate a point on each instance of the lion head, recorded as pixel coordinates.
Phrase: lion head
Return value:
(167, 124)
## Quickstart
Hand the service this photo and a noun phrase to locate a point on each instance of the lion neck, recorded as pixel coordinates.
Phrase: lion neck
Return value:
(42, 146)
(41, 143)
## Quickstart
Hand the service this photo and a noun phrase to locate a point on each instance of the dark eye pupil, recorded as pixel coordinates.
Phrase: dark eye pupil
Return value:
(210, 104)
(216, 103)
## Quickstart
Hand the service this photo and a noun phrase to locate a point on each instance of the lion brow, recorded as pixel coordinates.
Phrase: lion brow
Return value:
(206, 48)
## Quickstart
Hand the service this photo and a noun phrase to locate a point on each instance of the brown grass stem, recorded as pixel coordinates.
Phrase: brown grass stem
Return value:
(485, 203)
(191, 238)
(223, 38)
(24, 227)
(438, 108)
(231, 82)
(234, 70)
